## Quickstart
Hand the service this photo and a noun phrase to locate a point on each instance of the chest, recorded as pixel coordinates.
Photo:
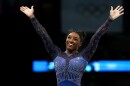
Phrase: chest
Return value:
(70, 64)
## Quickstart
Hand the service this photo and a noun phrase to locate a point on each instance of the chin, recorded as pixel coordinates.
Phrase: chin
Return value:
(70, 49)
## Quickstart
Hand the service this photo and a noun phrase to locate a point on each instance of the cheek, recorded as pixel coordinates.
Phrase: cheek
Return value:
(77, 44)
(66, 42)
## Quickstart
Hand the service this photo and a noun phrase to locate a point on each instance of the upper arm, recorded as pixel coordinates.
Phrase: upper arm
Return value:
(48, 43)
(93, 43)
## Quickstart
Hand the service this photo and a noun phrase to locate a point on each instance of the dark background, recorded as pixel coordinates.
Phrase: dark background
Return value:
(21, 45)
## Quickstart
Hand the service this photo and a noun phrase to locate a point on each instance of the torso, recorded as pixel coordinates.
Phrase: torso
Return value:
(70, 68)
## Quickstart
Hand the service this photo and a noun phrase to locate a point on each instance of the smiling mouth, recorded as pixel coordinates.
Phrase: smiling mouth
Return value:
(70, 45)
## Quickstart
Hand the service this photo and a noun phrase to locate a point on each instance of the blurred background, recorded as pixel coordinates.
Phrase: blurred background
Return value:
(26, 60)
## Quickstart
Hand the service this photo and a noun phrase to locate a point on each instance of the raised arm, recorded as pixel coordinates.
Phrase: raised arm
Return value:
(50, 47)
(92, 46)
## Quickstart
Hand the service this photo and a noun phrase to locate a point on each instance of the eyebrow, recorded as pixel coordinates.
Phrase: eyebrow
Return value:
(74, 37)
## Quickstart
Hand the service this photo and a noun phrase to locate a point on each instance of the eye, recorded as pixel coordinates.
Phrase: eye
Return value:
(68, 37)
(76, 39)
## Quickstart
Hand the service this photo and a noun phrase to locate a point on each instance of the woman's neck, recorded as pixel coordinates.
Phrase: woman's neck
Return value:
(70, 52)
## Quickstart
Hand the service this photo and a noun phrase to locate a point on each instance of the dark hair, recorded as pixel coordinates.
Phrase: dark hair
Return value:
(82, 34)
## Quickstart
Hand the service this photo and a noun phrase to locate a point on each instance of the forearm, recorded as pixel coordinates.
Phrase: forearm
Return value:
(38, 27)
(103, 28)
(48, 43)
(93, 43)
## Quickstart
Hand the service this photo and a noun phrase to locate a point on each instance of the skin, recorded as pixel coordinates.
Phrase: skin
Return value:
(114, 13)
(72, 43)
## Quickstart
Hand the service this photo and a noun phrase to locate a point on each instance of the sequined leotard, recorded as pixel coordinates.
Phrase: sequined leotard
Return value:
(70, 68)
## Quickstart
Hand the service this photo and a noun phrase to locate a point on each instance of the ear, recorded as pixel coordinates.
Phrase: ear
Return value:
(80, 45)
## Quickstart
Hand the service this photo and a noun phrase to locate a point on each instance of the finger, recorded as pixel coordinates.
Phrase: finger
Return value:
(111, 7)
(32, 7)
(121, 7)
(117, 7)
(26, 7)
(121, 10)
(21, 8)
(121, 13)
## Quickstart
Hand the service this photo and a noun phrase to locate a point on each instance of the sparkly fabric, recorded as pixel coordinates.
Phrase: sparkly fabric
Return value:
(70, 68)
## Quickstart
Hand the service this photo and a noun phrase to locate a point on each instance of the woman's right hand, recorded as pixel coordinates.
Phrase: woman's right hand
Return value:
(27, 11)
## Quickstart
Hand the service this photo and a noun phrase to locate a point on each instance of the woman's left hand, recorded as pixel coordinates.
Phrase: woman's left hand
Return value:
(115, 13)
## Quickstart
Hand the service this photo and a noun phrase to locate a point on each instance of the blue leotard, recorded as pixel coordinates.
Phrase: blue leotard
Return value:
(70, 68)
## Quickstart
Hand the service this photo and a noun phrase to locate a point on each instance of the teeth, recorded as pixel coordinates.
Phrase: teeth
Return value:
(70, 44)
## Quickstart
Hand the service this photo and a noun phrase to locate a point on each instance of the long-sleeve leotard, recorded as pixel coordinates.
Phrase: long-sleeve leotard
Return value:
(88, 51)
(49, 45)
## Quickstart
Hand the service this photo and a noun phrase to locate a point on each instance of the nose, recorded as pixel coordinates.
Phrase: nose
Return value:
(71, 40)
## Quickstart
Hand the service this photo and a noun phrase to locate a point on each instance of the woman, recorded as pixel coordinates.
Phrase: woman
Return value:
(70, 65)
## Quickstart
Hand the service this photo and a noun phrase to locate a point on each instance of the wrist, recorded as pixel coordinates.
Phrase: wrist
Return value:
(32, 16)
(111, 18)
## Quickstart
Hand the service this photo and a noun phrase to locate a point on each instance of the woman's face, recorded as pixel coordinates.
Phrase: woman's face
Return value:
(72, 41)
